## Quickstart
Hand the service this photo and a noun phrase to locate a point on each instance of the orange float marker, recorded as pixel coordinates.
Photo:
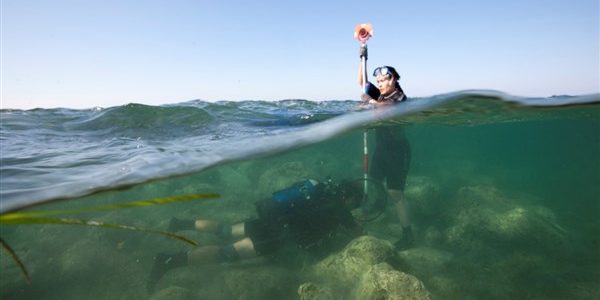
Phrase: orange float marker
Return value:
(362, 32)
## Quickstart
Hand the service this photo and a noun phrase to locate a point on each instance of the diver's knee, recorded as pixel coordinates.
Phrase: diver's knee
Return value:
(241, 249)
(245, 248)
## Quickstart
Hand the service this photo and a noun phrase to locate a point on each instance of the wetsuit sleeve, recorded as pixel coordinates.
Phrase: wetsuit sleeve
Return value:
(372, 93)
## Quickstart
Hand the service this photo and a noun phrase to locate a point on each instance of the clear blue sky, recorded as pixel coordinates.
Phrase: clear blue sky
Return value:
(81, 54)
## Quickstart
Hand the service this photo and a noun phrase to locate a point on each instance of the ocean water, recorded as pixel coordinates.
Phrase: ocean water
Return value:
(503, 191)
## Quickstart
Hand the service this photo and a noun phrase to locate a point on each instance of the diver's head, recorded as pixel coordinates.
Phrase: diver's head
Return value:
(350, 193)
(387, 79)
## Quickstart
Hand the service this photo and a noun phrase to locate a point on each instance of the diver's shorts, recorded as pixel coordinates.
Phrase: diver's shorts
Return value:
(391, 162)
(266, 235)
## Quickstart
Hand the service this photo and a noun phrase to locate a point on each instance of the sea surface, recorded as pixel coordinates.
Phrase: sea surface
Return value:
(504, 194)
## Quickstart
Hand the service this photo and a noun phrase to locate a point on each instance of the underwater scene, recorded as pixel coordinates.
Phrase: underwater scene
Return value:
(502, 194)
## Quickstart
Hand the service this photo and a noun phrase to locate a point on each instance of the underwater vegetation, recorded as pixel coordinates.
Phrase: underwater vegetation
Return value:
(42, 217)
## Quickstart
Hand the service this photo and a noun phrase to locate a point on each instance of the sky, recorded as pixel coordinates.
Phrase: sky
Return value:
(88, 53)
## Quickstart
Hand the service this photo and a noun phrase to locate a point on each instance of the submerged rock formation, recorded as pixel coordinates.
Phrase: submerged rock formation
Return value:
(484, 215)
(362, 271)
(381, 281)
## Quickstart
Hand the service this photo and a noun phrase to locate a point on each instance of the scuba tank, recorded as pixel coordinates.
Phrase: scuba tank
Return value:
(305, 190)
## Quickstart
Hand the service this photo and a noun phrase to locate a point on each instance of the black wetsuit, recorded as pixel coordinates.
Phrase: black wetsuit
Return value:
(308, 222)
(391, 159)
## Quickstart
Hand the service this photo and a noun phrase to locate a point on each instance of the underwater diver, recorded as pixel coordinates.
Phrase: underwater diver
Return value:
(391, 159)
(308, 213)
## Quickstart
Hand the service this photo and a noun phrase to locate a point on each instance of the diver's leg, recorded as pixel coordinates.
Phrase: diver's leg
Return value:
(402, 210)
(204, 225)
(245, 248)
(396, 179)
(401, 206)
(223, 230)
(238, 231)
(241, 249)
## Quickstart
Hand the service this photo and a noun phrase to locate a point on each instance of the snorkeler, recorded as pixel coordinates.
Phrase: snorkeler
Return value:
(307, 213)
(391, 160)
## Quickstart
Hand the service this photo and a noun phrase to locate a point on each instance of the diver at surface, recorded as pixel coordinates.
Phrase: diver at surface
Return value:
(391, 160)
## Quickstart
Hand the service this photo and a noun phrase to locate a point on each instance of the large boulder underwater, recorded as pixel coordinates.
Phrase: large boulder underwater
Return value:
(483, 214)
(362, 270)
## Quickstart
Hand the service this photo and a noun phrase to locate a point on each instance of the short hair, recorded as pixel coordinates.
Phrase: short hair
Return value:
(394, 72)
